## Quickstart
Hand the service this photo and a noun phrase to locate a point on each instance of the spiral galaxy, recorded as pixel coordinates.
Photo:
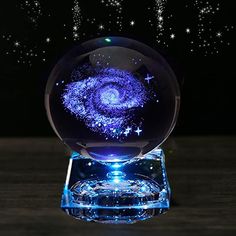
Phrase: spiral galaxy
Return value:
(106, 99)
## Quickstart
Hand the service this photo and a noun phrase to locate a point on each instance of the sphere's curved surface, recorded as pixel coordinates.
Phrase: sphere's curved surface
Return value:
(112, 99)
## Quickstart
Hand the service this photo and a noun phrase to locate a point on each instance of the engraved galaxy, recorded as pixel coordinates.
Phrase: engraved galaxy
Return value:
(106, 100)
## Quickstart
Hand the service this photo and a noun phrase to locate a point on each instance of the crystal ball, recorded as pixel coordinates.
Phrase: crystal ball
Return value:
(112, 99)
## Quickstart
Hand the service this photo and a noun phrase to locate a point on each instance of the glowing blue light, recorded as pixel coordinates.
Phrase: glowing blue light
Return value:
(116, 165)
(117, 173)
(108, 40)
(116, 180)
(74, 154)
(105, 99)
(144, 189)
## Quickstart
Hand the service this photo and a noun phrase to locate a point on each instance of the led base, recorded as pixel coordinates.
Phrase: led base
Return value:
(115, 192)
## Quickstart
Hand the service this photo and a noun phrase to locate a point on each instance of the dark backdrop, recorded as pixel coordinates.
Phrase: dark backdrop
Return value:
(208, 91)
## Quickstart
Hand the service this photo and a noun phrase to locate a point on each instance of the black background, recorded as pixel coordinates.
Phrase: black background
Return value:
(207, 83)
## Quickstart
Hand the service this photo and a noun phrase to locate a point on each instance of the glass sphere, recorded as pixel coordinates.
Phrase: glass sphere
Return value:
(112, 99)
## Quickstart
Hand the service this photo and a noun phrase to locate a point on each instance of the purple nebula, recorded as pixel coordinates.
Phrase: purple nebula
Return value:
(106, 100)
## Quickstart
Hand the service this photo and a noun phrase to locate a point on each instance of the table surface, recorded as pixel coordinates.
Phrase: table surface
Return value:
(201, 172)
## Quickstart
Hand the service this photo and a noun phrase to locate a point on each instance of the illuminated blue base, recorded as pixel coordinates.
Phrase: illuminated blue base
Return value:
(116, 193)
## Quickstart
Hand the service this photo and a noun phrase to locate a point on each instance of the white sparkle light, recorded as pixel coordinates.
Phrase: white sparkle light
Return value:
(76, 12)
(132, 23)
(148, 78)
(32, 9)
(159, 10)
(17, 44)
(206, 35)
(138, 131)
(117, 6)
(101, 27)
(188, 31)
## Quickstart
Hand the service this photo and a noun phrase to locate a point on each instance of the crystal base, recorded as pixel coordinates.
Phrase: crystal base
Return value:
(116, 192)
